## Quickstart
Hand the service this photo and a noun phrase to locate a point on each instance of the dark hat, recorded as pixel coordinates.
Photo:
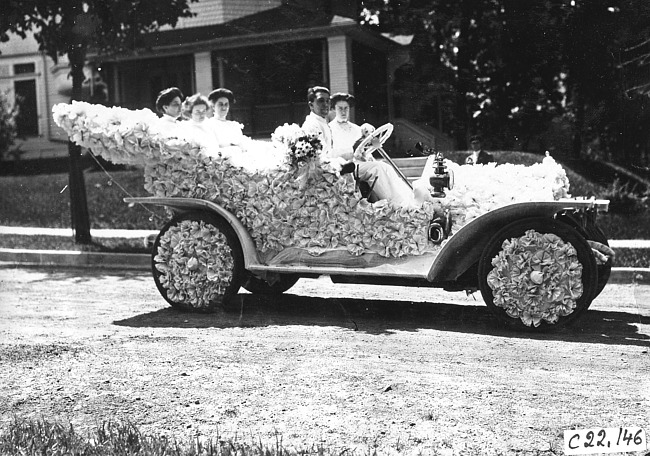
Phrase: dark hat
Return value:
(221, 93)
(340, 96)
(475, 138)
(165, 97)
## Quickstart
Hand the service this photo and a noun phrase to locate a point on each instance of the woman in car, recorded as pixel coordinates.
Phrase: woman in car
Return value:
(196, 108)
(229, 132)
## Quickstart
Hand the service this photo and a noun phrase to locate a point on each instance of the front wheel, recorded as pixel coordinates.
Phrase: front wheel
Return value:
(197, 262)
(537, 273)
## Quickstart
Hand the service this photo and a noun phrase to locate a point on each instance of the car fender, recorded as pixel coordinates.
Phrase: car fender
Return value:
(464, 248)
(189, 204)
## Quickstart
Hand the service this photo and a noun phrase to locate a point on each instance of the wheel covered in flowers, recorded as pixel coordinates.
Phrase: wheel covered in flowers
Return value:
(197, 262)
(538, 273)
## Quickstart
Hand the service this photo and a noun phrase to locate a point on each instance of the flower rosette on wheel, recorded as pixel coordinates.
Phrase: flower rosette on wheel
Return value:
(195, 264)
(536, 277)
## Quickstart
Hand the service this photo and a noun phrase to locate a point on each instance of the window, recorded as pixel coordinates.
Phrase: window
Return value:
(24, 68)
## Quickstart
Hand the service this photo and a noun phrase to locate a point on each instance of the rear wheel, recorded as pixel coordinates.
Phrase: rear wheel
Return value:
(197, 262)
(537, 273)
(260, 286)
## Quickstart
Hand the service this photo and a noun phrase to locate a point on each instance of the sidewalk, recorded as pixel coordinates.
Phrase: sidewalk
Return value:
(68, 258)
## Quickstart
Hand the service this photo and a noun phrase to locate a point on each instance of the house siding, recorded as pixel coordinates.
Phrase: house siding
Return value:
(210, 12)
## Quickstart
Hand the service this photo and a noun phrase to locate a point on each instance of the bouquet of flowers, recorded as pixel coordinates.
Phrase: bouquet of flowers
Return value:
(302, 147)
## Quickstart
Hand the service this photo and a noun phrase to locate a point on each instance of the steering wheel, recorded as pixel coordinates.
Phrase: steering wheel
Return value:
(373, 142)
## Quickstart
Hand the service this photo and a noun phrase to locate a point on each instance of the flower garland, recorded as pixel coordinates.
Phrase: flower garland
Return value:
(479, 189)
(195, 263)
(536, 277)
(287, 204)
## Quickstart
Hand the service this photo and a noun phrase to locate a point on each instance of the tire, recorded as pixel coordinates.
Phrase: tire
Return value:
(508, 279)
(197, 262)
(256, 285)
(593, 233)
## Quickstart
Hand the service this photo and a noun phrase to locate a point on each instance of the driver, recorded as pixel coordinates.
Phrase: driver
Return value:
(346, 134)
(384, 182)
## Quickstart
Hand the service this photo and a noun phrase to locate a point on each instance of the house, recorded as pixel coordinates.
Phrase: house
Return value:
(268, 52)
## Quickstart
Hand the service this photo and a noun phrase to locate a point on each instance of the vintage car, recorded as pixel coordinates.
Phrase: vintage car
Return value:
(263, 218)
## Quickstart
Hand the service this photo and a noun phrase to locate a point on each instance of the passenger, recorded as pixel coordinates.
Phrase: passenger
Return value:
(168, 105)
(196, 108)
(382, 179)
(229, 132)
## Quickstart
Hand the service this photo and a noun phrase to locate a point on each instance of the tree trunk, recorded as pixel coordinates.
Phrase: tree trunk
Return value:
(78, 203)
(464, 75)
(579, 106)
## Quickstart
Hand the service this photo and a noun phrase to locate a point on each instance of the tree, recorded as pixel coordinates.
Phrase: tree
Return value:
(71, 28)
(8, 132)
(515, 66)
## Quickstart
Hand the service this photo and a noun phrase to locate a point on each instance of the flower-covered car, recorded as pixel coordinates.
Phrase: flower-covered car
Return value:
(264, 217)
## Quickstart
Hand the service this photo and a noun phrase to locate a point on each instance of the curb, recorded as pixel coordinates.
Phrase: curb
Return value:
(142, 261)
(74, 259)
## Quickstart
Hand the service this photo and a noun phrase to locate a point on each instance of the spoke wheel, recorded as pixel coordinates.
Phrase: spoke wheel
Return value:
(260, 286)
(537, 274)
(197, 262)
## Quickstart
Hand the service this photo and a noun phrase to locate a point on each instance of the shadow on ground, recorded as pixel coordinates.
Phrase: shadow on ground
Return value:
(386, 317)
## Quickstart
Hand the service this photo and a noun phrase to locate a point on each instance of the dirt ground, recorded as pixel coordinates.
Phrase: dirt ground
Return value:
(412, 371)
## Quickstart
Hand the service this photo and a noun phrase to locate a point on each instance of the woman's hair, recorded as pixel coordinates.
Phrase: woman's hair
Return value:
(340, 96)
(221, 93)
(165, 97)
(194, 100)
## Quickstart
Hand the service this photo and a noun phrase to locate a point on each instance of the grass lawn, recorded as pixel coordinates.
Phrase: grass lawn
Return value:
(42, 437)
(44, 201)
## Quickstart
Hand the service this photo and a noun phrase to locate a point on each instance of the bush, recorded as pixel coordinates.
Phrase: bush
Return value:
(624, 198)
(8, 128)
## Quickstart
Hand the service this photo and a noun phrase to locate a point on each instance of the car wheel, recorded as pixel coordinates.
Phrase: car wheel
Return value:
(594, 233)
(260, 286)
(197, 262)
(537, 273)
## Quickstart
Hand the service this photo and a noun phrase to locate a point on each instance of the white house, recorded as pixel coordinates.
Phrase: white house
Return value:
(268, 52)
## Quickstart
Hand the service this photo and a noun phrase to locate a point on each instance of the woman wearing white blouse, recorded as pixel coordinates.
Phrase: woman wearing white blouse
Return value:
(228, 131)
(197, 128)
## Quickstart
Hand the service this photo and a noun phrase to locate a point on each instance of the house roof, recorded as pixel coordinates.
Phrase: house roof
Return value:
(284, 23)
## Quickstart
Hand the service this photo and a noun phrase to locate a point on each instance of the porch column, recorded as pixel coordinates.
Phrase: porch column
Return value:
(203, 72)
(340, 64)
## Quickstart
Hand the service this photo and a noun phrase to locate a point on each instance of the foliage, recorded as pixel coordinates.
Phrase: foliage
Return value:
(110, 438)
(69, 28)
(624, 199)
(511, 70)
(8, 113)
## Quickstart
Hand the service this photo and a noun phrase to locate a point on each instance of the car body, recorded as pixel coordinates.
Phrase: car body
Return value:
(538, 263)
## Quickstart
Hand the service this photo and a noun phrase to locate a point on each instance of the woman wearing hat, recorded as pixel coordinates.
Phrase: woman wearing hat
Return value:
(168, 104)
